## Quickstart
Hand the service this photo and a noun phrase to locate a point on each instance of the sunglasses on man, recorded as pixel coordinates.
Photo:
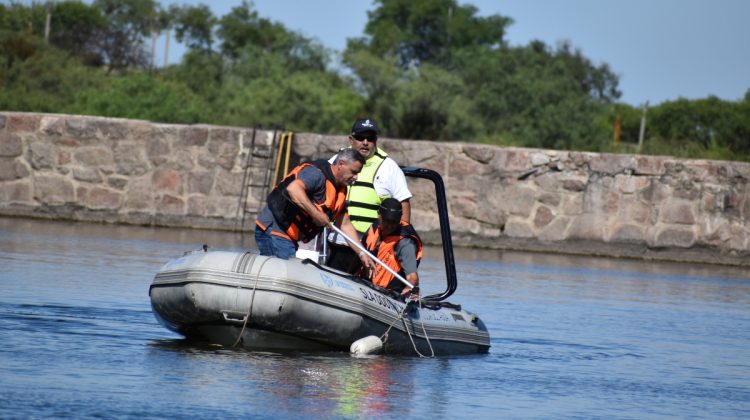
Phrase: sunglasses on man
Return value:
(372, 138)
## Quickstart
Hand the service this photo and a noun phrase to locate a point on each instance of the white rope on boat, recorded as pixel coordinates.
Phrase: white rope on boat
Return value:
(252, 300)
(384, 337)
(424, 331)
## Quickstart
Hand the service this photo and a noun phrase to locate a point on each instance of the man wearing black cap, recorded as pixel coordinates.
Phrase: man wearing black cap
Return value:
(379, 179)
(395, 243)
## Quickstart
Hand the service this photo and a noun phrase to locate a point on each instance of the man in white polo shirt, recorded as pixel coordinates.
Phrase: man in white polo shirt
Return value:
(379, 179)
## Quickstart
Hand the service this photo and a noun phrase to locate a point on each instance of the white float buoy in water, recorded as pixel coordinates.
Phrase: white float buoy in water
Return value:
(367, 345)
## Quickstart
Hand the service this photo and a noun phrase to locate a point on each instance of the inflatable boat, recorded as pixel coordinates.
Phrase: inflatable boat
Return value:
(258, 302)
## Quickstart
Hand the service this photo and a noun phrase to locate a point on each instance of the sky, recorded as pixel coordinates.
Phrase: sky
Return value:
(660, 49)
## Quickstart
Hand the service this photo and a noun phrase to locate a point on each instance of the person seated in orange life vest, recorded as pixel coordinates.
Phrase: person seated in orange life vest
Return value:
(396, 243)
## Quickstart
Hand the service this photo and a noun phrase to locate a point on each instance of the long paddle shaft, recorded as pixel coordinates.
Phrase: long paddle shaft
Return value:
(372, 257)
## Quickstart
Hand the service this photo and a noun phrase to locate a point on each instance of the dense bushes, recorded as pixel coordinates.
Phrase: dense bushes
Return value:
(427, 69)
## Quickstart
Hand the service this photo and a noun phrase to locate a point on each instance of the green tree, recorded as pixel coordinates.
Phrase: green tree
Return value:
(194, 25)
(46, 81)
(433, 69)
(263, 90)
(140, 95)
(431, 104)
(245, 34)
(202, 74)
(429, 69)
(121, 42)
(428, 31)
(75, 27)
(630, 121)
(22, 19)
(708, 123)
(242, 27)
(19, 40)
(537, 96)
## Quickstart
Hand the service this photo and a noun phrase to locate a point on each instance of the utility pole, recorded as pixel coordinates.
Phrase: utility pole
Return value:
(47, 22)
(166, 46)
(153, 49)
(643, 127)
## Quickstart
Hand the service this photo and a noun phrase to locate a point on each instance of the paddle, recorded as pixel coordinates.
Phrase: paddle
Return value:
(372, 257)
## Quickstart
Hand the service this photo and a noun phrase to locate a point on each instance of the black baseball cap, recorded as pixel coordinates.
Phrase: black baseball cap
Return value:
(364, 126)
(390, 210)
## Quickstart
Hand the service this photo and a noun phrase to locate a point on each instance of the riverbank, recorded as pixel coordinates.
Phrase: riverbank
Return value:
(107, 170)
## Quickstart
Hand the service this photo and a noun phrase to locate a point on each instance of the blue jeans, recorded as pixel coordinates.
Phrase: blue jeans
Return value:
(274, 245)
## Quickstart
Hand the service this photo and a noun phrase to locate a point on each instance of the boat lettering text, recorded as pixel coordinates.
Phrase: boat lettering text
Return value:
(436, 316)
(379, 299)
(343, 285)
(332, 281)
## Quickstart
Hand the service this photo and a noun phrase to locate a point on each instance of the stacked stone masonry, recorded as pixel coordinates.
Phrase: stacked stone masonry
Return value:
(137, 172)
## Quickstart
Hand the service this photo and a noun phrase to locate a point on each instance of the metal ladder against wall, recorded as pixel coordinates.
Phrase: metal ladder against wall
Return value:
(259, 187)
(254, 154)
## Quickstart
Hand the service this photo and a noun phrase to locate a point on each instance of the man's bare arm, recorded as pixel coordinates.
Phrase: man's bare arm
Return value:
(298, 194)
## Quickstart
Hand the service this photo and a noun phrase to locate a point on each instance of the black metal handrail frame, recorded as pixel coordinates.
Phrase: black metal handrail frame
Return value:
(445, 227)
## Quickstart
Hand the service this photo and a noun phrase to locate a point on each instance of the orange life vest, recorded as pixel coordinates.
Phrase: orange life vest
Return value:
(296, 223)
(385, 249)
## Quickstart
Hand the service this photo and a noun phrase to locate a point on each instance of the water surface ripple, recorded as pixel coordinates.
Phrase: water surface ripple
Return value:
(571, 337)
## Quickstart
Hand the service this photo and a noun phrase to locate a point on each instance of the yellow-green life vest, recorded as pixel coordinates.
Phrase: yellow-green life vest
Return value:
(362, 200)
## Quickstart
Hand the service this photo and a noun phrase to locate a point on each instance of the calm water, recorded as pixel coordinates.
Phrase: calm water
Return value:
(571, 337)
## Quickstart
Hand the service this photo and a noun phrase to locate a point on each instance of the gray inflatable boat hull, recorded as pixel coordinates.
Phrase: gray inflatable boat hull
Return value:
(269, 303)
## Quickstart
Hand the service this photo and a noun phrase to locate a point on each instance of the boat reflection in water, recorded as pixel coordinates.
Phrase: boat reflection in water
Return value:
(366, 387)
(361, 388)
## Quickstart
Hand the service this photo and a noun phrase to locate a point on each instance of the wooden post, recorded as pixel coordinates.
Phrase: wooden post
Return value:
(618, 127)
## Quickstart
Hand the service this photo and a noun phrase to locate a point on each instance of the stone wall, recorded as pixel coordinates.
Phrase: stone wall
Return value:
(137, 172)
